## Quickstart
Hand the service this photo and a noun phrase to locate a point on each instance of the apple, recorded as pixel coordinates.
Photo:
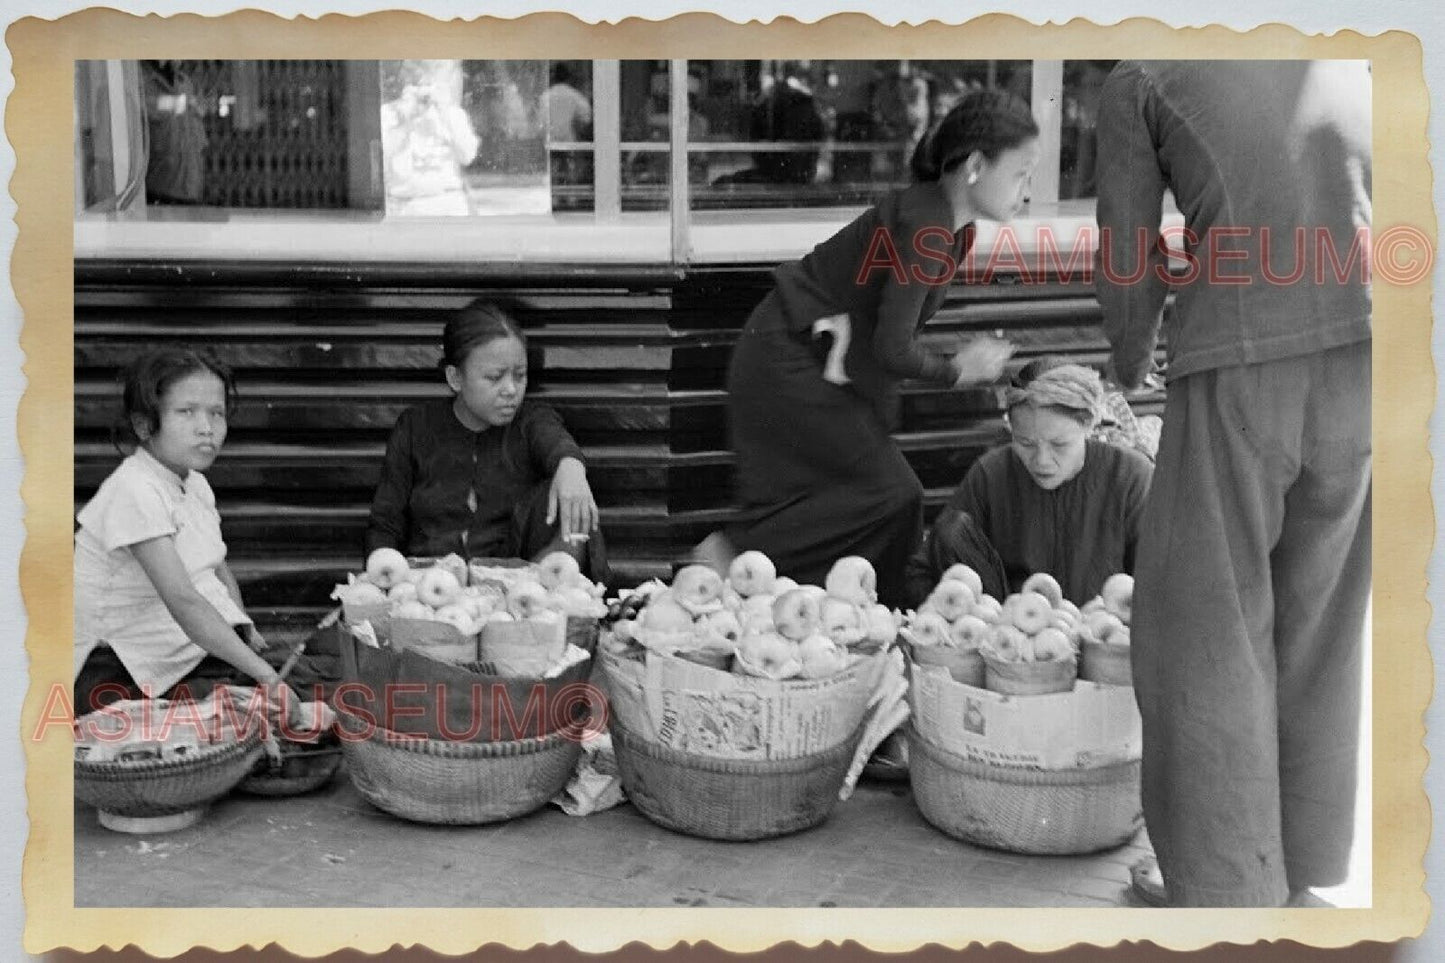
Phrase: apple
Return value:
(1102, 623)
(768, 654)
(1052, 645)
(723, 627)
(665, 615)
(783, 584)
(385, 567)
(1062, 622)
(929, 628)
(752, 573)
(696, 585)
(731, 599)
(988, 608)
(758, 607)
(1119, 636)
(968, 632)
(1095, 604)
(959, 572)
(526, 600)
(577, 601)
(558, 569)
(853, 579)
(624, 630)
(455, 564)
(501, 615)
(362, 593)
(1031, 612)
(881, 624)
(1046, 585)
(457, 614)
(796, 614)
(402, 592)
(1008, 643)
(479, 606)
(1118, 595)
(843, 622)
(820, 657)
(1067, 608)
(816, 592)
(952, 599)
(414, 609)
(438, 587)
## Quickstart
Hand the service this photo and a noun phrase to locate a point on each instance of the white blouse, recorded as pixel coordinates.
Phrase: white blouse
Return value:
(115, 601)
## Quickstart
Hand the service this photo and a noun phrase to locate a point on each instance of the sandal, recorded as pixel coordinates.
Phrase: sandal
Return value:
(1147, 882)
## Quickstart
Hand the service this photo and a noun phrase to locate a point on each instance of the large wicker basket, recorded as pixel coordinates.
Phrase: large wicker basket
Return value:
(302, 768)
(159, 787)
(438, 781)
(1025, 810)
(730, 799)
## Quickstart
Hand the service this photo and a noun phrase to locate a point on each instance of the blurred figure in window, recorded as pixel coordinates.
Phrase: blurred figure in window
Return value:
(568, 115)
(176, 165)
(785, 111)
(427, 139)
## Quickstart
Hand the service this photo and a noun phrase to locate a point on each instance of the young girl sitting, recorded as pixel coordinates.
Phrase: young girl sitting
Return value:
(485, 473)
(157, 611)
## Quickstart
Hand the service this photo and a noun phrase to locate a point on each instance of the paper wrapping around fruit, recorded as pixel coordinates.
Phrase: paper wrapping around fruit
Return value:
(696, 709)
(1093, 725)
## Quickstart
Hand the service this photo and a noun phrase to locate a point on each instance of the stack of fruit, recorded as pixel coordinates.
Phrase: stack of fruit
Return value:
(1103, 632)
(756, 622)
(551, 590)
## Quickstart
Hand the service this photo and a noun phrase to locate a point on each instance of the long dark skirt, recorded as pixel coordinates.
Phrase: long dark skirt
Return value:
(819, 476)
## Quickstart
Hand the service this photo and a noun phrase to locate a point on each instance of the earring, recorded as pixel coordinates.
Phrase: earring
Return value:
(973, 178)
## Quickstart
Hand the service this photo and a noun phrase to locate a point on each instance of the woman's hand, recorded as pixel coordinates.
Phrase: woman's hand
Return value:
(254, 639)
(980, 361)
(570, 502)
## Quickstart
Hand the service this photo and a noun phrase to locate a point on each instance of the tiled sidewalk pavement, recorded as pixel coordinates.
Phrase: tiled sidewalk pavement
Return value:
(333, 849)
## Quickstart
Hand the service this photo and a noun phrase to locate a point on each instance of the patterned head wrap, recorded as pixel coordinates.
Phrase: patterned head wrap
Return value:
(1069, 386)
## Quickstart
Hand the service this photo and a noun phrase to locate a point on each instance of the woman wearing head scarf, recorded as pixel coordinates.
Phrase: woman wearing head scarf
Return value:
(1056, 499)
(810, 416)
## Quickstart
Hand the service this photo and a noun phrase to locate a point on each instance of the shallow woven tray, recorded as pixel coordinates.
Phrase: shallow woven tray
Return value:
(436, 781)
(162, 787)
(729, 798)
(1024, 810)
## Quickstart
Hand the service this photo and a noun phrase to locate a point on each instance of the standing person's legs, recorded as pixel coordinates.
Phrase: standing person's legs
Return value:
(819, 475)
(1321, 586)
(1203, 631)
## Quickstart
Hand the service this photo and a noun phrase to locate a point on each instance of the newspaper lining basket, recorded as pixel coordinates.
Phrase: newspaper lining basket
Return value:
(1029, 678)
(1105, 662)
(730, 799)
(1025, 810)
(163, 787)
(965, 665)
(459, 783)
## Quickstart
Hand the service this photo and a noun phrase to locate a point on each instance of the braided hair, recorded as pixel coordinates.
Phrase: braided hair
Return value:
(988, 121)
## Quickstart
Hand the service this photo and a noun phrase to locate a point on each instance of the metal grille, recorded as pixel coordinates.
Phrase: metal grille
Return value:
(276, 132)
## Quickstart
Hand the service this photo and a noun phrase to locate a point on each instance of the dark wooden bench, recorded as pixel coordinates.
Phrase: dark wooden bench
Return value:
(327, 357)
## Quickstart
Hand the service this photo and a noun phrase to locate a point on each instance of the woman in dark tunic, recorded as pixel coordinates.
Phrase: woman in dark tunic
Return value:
(1054, 500)
(819, 475)
(485, 473)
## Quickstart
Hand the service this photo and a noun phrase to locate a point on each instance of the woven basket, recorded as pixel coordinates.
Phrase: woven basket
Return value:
(304, 768)
(162, 787)
(965, 665)
(1029, 678)
(459, 783)
(727, 798)
(1106, 663)
(1025, 810)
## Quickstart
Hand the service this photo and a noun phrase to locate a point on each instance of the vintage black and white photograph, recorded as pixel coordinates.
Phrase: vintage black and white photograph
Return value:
(722, 483)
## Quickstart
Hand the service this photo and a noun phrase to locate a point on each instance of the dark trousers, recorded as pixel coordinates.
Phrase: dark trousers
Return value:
(1252, 583)
(819, 475)
(954, 538)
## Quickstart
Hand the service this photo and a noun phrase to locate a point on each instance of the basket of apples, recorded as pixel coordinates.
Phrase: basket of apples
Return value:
(744, 658)
(1032, 648)
(548, 608)
(952, 624)
(1103, 633)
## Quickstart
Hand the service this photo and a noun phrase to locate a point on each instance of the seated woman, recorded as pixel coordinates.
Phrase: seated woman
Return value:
(157, 612)
(485, 473)
(1054, 500)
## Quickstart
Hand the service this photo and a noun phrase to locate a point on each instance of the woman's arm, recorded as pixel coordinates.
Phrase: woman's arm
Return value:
(196, 616)
(570, 501)
(249, 633)
(390, 523)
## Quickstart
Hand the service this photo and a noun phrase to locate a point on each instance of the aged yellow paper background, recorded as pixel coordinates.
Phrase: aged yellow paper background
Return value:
(38, 122)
